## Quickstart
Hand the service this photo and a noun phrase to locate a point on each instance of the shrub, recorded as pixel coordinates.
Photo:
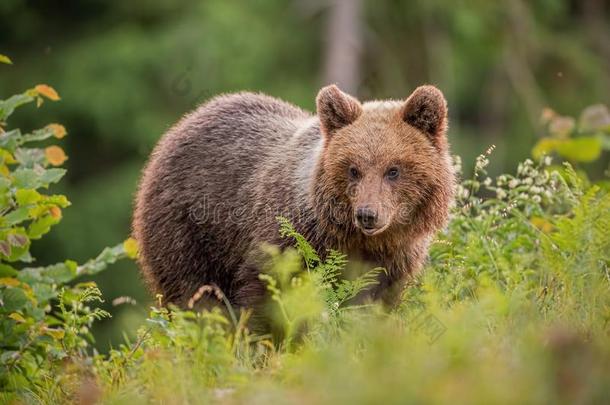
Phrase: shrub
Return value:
(513, 307)
(45, 316)
(577, 141)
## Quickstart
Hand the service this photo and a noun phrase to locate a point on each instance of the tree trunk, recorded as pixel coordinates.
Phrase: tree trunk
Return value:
(344, 33)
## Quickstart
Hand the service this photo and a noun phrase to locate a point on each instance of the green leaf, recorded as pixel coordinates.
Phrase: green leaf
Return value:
(5, 248)
(38, 135)
(581, 149)
(41, 277)
(7, 107)
(10, 139)
(26, 178)
(17, 216)
(23, 256)
(52, 176)
(56, 334)
(36, 178)
(41, 226)
(17, 239)
(44, 292)
(14, 299)
(30, 157)
(545, 146)
(17, 317)
(61, 272)
(4, 184)
(131, 248)
(5, 59)
(20, 253)
(27, 196)
(7, 271)
(57, 199)
(108, 256)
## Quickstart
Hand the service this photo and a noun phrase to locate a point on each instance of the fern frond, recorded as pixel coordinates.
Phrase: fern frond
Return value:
(303, 247)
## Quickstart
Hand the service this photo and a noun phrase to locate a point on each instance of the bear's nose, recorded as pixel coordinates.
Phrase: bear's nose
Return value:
(366, 217)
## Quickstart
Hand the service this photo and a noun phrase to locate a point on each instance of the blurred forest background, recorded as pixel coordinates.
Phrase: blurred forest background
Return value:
(127, 70)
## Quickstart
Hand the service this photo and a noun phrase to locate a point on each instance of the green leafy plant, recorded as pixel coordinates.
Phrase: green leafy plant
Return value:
(517, 290)
(513, 307)
(317, 292)
(328, 273)
(45, 319)
(577, 141)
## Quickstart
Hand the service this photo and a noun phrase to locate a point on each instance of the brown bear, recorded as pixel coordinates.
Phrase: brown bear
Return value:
(372, 180)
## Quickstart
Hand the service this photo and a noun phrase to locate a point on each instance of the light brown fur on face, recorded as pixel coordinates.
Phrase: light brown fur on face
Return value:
(382, 140)
(373, 180)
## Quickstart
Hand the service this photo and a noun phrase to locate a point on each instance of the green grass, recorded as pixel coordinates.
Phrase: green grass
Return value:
(514, 307)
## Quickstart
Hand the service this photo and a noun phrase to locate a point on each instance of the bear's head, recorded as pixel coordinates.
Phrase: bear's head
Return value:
(385, 165)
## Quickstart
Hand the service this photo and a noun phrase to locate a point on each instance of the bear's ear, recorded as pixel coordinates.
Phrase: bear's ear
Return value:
(336, 109)
(426, 110)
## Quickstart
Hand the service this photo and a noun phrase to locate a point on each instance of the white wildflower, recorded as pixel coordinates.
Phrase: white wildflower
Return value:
(461, 192)
(544, 178)
(481, 163)
(520, 168)
(500, 194)
(513, 183)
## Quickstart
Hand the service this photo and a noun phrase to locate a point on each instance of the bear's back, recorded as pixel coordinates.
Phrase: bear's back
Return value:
(195, 182)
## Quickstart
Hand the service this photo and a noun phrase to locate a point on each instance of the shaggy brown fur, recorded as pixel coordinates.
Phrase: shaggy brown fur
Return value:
(373, 180)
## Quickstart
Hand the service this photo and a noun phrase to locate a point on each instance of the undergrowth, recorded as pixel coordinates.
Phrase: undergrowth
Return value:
(513, 307)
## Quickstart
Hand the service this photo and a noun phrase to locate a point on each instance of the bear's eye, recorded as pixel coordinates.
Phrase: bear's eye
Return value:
(354, 174)
(392, 174)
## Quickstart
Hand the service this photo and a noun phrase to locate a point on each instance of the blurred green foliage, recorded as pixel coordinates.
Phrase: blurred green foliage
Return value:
(128, 70)
(513, 308)
(576, 142)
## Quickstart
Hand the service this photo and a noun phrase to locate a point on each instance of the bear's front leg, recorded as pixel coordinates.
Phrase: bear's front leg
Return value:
(393, 281)
(390, 288)
(249, 292)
